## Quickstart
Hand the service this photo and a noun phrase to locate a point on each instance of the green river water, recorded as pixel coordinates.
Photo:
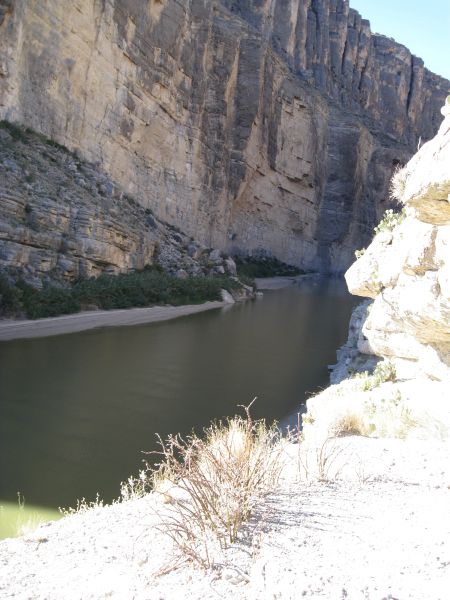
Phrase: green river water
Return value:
(76, 411)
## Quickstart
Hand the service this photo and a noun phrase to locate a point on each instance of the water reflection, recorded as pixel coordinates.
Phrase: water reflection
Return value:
(76, 411)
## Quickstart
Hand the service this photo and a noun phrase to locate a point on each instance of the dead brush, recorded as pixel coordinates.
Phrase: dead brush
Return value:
(322, 462)
(211, 484)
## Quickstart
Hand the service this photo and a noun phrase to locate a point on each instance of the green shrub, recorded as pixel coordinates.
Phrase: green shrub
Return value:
(384, 371)
(247, 281)
(264, 267)
(147, 287)
(10, 298)
(17, 132)
(390, 220)
(57, 145)
(50, 302)
(142, 288)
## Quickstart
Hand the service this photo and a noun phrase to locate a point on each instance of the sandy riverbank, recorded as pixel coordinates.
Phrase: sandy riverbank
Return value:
(15, 329)
(11, 329)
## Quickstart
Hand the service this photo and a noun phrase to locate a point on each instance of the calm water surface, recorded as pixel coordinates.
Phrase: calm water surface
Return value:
(77, 411)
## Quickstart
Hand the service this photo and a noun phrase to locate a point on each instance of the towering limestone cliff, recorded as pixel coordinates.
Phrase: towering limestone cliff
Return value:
(255, 125)
(405, 327)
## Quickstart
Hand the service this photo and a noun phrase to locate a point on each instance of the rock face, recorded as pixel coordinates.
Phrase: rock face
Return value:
(254, 126)
(406, 271)
(61, 219)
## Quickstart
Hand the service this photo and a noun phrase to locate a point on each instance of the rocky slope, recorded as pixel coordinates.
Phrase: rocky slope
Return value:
(252, 126)
(61, 218)
(406, 273)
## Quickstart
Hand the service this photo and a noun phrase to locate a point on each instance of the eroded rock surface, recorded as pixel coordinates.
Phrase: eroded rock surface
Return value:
(61, 218)
(407, 325)
(252, 126)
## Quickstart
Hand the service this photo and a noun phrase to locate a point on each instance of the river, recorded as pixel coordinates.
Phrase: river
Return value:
(76, 411)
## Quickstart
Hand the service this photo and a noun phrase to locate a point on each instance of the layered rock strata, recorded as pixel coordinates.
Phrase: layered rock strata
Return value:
(61, 219)
(259, 126)
(406, 273)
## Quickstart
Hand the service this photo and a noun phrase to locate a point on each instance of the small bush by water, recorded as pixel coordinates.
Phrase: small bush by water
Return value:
(142, 288)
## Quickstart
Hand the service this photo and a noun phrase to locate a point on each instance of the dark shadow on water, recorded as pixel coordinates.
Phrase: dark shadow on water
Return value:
(76, 411)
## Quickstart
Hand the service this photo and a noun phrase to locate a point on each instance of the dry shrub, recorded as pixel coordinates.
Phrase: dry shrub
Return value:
(348, 424)
(398, 183)
(329, 459)
(83, 506)
(211, 483)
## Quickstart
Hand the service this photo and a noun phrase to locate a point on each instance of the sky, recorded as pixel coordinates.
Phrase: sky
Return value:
(423, 27)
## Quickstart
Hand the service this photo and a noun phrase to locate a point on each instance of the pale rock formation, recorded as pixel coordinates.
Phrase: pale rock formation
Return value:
(258, 126)
(406, 273)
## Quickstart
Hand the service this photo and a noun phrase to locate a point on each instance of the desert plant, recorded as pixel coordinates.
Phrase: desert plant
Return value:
(389, 417)
(398, 183)
(391, 219)
(82, 506)
(348, 424)
(328, 459)
(211, 484)
(384, 371)
(322, 461)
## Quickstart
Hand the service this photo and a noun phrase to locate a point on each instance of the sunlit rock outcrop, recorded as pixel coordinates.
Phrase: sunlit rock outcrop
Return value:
(406, 271)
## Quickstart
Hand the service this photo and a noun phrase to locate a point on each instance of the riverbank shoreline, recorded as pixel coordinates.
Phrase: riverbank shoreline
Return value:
(88, 320)
(14, 329)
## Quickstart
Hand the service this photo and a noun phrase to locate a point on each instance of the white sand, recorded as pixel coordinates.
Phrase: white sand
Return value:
(380, 530)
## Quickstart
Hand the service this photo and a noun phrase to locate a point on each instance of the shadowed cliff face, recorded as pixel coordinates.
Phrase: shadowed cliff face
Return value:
(401, 333)
(258, 125)
(331, 46)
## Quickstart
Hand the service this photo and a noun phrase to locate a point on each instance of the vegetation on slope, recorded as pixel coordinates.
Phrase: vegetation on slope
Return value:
(264, 267)
(142, 288)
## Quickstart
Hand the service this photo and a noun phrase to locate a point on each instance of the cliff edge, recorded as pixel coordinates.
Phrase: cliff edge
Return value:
(405, 327)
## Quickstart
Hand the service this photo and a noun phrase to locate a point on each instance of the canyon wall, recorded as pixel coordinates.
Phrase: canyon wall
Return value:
(254, 126)
(404, 326)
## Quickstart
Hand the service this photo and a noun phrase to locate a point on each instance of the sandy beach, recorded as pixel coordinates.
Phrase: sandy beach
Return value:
(15, 329)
